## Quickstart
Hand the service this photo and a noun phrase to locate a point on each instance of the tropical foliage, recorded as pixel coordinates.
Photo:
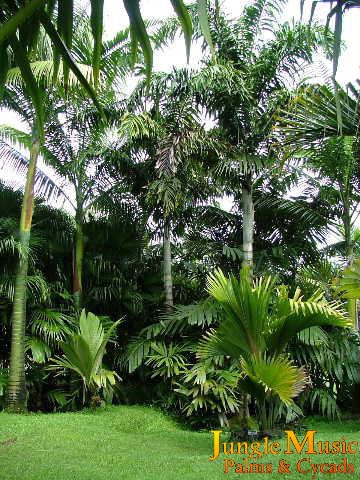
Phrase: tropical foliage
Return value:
(213, 208)
(83, 353)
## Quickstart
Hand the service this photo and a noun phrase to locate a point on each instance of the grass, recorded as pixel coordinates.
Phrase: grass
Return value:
(123, 443)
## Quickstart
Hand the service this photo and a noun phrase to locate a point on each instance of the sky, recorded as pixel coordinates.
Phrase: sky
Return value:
(115, 19)
(175, 54)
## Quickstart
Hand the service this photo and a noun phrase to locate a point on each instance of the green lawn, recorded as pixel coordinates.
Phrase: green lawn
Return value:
(130, 443)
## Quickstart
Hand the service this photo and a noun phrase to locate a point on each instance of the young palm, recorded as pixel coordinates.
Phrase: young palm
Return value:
(258, 322)
(83, 352)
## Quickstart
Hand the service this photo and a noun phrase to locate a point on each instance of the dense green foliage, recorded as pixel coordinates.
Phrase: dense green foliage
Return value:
(227, 313)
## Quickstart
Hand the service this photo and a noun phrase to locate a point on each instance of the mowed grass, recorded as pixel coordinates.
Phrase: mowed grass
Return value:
(134, 443)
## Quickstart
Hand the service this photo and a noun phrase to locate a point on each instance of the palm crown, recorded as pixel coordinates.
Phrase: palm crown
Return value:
(258, 322)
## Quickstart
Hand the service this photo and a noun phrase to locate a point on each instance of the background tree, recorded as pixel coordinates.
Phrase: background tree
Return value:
(24, 20)
(246, 105)
(333, 154)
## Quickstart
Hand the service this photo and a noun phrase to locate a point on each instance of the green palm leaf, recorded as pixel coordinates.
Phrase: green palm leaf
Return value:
(276, 375)
(84, 351)
(245, 306)
(349, 283)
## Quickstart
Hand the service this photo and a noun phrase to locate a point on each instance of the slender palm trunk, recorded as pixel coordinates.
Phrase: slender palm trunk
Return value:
(168, 283)
(248, 261)
(248, 223)
(16, 399)
(78, 257)
(352, 302)
(349, 253)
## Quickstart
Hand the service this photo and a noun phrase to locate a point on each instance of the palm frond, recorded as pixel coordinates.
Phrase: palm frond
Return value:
(13, 158)
(276, 375)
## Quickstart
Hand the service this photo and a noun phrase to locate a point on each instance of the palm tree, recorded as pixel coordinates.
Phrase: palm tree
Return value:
(245, 90)
(336, 163)
(182, 136)
(311, 130)
(169, 137)
(83, 352)
(48, 252)
(258, 322)
(76, 147)
(28, 103)
(18, 97)
(20, 102)
(24, 20)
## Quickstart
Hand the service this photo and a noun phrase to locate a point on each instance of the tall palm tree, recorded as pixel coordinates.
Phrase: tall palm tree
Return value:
(248, 113)
(24, 20)
(335, 161)
(176, 137)
(19, 100)
(75, 146)
(18, 97)
(42, 278)
(245, 89)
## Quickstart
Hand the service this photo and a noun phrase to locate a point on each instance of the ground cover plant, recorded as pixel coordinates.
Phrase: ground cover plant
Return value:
(127, 442)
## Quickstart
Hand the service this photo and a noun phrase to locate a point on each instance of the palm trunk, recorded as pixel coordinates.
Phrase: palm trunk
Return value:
(78, 256)
(168, 283)
(349, 253)
(248, 261)
(248, 223)
(16, 398)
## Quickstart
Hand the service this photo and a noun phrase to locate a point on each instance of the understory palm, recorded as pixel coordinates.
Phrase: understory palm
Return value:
(259, 320)
(83, 353)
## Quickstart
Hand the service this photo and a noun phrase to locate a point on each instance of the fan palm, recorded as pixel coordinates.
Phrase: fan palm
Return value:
(259, 321)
